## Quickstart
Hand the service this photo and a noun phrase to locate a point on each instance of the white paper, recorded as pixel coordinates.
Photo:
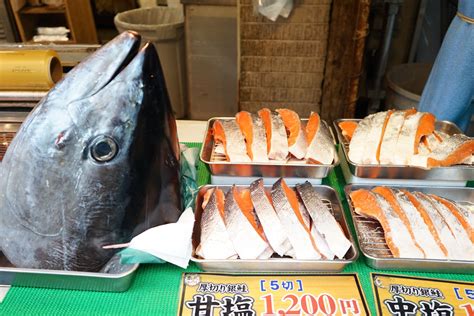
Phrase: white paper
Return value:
(60, 30)
(272, 9)
(50, 38)
(169, 242)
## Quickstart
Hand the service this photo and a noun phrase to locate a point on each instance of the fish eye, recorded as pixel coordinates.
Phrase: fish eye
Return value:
(103, 149)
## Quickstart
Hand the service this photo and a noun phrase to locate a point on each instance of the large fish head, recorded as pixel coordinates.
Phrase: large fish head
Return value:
(83, 164)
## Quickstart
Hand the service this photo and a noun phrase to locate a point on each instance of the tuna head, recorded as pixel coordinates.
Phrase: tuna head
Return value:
(95, 163)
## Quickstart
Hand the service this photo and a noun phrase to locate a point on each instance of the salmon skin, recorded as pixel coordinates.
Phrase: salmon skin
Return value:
(397, 236)
(286, 206)
(228, 133)
(453, 150)
(253, 130)
(421, 231)
(414, 127)
(95, 163)
(320, 144)
(323, 221)
(247, 241)
(366, 139)
(297, 145)
(442, 227)
(389, 141)
(277, 142)
(465, 213)
(321, 243)
(460, 232)
(215, 241)
(274, 230)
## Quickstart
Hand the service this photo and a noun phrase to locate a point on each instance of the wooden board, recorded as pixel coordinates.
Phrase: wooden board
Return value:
(348, 32)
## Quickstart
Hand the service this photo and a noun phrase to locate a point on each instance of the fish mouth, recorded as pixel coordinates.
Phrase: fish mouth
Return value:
(99, 69)
(130, 40)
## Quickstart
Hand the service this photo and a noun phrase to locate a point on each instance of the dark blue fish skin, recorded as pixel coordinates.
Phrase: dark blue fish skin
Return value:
(61, 197)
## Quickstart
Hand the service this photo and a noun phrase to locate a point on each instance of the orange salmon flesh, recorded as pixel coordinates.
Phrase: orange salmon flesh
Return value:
(292, 124)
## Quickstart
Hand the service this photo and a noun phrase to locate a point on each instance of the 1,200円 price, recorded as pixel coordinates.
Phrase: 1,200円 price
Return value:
(309, 304)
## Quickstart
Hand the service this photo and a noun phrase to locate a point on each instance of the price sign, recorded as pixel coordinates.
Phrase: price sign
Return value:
(405, 295)
(247, 295)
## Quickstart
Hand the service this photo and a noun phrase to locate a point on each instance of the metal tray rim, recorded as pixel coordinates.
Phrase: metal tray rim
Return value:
(101, 275)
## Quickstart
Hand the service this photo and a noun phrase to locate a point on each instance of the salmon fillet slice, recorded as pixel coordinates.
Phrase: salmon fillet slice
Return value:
(227, 133)
(364, 145)
(437, 224)
(287, 208)
(391, 134)
(396, 233)
(277, 142)
(319, 240)
(296, 135)
(458, 213)
(384, 127)
(423, 235)
(452, 151)
(390, 197)
(348, 128)
(430, 142)
(457, 230)
(467, 211)
(414, 128)
(245, 237)
(320, 144)
(323, 220)
(272, 226)
(252, 128)
(244, 201)
(215, 242)
(426, 127)
(219, 199)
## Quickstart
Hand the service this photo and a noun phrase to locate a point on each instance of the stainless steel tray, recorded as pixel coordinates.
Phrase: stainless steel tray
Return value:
(219, 166)
(114, 278)
(454, 173)
(372, 241)
(273, 265)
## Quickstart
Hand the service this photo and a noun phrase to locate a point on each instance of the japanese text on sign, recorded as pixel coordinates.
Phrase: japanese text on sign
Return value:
(404, 296)
(224, 295)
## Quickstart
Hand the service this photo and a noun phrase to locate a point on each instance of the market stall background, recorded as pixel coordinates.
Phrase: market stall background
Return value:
(155, 289)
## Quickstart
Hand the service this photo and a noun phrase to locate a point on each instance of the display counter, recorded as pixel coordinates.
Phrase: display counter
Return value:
(155, 289)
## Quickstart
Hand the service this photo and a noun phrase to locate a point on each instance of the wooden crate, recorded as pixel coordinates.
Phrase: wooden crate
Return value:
(308, 62)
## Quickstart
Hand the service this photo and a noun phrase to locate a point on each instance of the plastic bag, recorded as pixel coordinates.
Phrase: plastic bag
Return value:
(272, 9)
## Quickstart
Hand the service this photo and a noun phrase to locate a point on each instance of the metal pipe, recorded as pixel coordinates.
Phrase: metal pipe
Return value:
(417, 32)
(392, 13)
